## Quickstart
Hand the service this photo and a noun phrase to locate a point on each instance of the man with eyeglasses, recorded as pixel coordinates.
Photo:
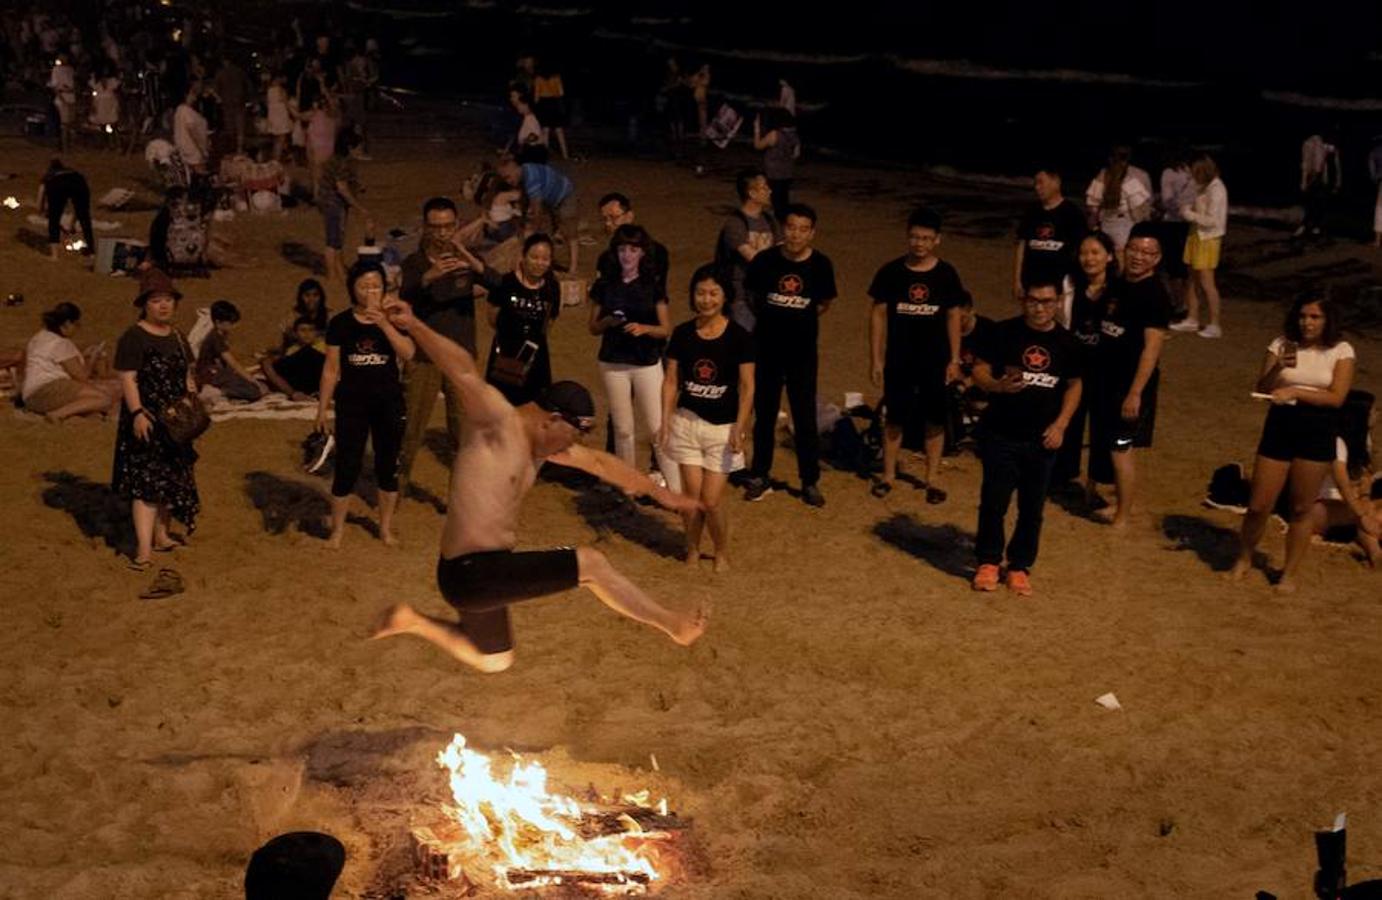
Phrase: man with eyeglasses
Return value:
(1031, 371)
(1122, 407)
(479, 572)
(440, 286)
(617, 209)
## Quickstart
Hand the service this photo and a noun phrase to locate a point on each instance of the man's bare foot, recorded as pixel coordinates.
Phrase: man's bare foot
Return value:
(397, 619)
(1286, 586)
(691, 630)
(334, 542)
(1111, 517)
(1239, 571)
(693, 559)
(721, 561)
(389, 538)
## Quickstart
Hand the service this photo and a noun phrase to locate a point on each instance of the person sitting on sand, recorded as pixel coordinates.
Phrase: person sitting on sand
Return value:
(1347, 507)
(1308, 372)
(361, 374)
(297, 372)
(311, 305)
(479, 572)
(61, 381)
(217, 366)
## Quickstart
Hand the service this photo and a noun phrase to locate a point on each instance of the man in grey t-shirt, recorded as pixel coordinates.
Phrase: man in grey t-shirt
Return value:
(751, 230)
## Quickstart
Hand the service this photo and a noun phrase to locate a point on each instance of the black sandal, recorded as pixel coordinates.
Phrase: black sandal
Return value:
(881, 489)
(935, 495)
(165, 584)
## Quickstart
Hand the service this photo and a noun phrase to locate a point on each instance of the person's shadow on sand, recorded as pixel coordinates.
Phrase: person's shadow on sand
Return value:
(96, 509)
(1216, 546)
(303, 256)
(283, 503)
(945, 547)
(607, 510)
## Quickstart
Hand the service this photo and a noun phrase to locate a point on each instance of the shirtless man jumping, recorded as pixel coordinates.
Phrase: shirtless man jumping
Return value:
(501, 449)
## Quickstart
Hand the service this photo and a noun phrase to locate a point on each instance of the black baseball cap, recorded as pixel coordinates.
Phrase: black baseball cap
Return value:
(572, 402)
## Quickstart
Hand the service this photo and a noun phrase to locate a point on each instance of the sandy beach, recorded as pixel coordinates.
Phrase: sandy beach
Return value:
(856, 722)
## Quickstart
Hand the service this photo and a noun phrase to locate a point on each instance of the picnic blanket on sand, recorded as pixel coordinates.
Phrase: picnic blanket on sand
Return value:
(270, 406)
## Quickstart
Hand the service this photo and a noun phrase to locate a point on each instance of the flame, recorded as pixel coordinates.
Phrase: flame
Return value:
(515, 823)
(11, 203)
(77, 244)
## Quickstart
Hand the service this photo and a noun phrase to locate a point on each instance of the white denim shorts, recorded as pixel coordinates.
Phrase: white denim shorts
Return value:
(692, 441)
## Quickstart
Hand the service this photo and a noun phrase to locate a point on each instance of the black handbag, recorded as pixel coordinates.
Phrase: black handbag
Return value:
(186, 418)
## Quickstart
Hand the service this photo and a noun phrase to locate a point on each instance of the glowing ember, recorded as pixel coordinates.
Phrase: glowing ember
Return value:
(529, 837)
(11, 203)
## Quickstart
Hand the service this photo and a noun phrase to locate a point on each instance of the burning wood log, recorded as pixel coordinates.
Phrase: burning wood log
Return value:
(525, 877)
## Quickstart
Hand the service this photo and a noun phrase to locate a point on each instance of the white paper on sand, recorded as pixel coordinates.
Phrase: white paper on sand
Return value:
(1108, 701)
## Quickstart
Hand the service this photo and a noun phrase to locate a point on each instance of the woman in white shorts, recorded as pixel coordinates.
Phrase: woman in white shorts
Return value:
(707, 396)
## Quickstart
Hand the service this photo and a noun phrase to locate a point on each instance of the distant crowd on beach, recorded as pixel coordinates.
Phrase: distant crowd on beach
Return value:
(1060, 396)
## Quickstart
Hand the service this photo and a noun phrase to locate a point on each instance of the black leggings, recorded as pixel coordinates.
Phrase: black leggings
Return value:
(58, 190)
(380, 420)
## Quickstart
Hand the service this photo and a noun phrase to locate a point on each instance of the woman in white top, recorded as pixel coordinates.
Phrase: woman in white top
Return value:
(279, 118)
(62, 381)
(1308, 372)
(1208, 216)
(1116, 201)
(1346, 510)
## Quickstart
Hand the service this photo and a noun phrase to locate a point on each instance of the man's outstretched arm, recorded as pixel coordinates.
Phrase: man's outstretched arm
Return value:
(481, 401)
(613, 470)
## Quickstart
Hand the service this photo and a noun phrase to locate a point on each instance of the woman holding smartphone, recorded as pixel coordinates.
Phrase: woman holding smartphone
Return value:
(522, 306)
(1307, 375)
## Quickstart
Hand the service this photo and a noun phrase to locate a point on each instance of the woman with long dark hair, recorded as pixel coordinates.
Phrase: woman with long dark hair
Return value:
(629, 315)
(1307, 374)
(1095, 274)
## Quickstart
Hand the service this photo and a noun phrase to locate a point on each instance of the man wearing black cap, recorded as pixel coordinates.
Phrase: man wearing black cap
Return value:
(502, 447)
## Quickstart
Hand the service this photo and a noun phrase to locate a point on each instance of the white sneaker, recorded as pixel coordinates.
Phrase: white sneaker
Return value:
(1186, 325)
(1211, 331)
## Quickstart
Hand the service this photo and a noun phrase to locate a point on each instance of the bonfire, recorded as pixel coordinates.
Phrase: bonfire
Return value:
(511, 831)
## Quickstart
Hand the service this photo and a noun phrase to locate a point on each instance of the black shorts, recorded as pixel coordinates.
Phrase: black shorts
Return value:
(1300, 432)
(912, 399)
(482, 585)
(551, 112)
(1110, 433)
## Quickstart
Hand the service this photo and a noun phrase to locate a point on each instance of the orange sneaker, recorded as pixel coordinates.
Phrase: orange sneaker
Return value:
(986, 578)
(1019, 583)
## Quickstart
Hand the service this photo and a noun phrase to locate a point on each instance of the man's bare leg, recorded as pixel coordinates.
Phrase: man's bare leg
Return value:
(403, 619)
(892, 448)
(625, 598)
(1124, 477)
(934, 445)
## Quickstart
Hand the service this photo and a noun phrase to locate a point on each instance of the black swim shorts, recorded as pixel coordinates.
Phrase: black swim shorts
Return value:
(482, 585)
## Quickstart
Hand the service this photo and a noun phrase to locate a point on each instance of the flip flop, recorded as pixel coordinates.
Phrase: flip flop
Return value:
(935, 495)
(880, 489)
(165, 584)
(139, 565)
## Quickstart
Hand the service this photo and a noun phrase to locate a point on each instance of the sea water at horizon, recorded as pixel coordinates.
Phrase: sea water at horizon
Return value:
(879, 95)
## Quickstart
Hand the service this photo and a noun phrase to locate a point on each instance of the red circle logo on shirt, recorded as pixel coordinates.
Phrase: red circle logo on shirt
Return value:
(705, 370)
(790, 284)
(918, 293)
(1036, 358)
(1045, 232)
(364, 345)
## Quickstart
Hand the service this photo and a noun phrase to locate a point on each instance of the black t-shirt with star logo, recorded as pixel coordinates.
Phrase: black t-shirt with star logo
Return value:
(369, 365)
(1051, 238)
(1130, 308)
(1048, 360)
(919, 305)
(708, 370)
(787, 296)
